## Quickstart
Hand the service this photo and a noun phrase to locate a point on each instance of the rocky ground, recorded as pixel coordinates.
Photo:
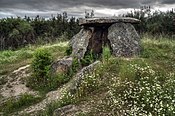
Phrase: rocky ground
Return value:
(15, 85)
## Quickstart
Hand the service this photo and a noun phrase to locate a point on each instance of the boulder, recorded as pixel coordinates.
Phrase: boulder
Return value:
(80, 42)
(62, 65)
(116, 32)
(77, 79)
(124, 39)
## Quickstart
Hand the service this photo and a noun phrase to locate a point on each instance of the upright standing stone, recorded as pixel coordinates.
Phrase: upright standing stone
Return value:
(116, 32)
(80, 43)
(124, 39)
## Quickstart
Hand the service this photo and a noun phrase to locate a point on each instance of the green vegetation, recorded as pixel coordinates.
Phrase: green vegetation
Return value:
(42, 78)
(106, 54)
(65, 100)
(13, 105)
(11, 60)
(41, 68)
(89, 58)
(142, 85)
(18, 32)
(154, 22)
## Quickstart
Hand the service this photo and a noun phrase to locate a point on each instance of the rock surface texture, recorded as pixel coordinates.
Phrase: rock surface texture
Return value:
(80, 42)
(116, 32)
(107, 20)
(62, 65)
(124, 39)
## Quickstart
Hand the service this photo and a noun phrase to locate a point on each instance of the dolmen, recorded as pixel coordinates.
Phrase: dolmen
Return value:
(117, 33)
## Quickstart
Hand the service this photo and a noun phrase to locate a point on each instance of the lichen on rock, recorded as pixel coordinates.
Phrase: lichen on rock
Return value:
(116, 32)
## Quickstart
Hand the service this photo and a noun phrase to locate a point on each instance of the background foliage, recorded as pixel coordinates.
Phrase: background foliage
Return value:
(154, 22)
(17, 32)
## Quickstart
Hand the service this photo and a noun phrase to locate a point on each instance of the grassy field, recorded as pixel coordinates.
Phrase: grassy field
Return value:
(11, 60)
(142, 85)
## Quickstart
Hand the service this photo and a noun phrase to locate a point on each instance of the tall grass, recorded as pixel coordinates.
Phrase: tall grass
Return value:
(10, 60)
(135, 86)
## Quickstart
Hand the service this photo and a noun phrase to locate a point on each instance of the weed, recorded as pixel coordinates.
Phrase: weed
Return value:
(88, 59)
(13, 105)
(65, 99)
(106, 54)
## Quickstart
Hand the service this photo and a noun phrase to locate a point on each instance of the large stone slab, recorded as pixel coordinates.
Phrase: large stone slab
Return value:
(124, 39)
(107, 20)
(116, 32)
(80, 43)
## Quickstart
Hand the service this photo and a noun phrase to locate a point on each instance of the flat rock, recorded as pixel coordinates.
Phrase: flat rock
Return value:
(107, 20)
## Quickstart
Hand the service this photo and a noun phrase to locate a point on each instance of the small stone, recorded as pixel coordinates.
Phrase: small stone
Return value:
(65, 110)
(62, 65)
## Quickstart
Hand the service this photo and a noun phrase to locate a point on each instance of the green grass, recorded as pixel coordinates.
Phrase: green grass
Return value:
(122, 84)
(161, 52)
(138, 82)
(66, 99)
(11, 60)
(14, 105)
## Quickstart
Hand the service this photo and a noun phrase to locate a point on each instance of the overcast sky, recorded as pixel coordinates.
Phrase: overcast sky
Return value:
(77, 8)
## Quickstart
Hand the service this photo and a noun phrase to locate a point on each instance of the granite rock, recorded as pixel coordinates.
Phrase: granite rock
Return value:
(124, 39)
(80, 43)
(62, 65)
(107, 20)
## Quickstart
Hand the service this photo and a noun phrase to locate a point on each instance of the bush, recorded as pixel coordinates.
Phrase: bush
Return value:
(41, 79)
(41, 66)
(69, 50)
(89, 83)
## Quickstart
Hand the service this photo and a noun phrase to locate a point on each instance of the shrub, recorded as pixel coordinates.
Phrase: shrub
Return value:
(75, 66)
(42, 79)
(41, 66)
(89, 84)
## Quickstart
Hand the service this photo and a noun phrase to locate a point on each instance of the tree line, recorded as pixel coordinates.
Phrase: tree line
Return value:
(17, 32)
(154, 22)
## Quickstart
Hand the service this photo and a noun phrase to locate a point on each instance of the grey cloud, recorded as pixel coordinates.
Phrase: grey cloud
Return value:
(44, 7)
(168, 2)
(51, 4)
